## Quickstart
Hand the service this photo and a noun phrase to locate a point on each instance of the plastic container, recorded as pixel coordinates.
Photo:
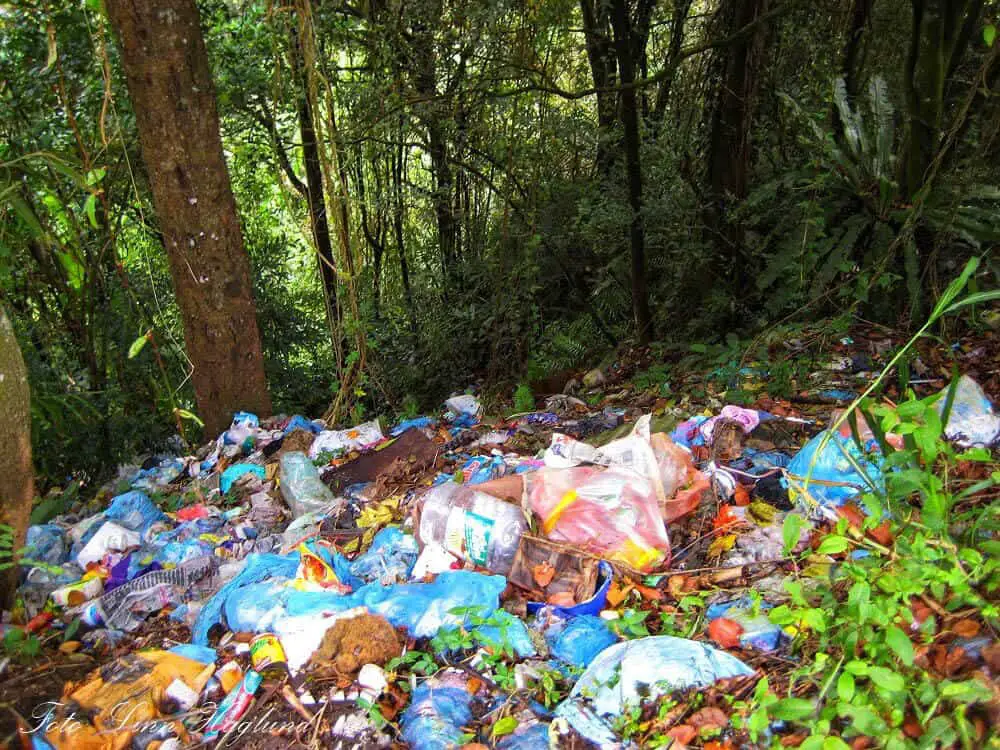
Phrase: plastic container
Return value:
(301, 486)
(472, 525)
(592, 606)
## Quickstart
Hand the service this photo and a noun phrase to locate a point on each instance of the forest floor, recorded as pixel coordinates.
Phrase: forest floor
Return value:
(866, 622)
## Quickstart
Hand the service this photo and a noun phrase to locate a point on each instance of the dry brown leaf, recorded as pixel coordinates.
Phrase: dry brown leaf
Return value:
(543, 573)
(966, 628)
(709, 718)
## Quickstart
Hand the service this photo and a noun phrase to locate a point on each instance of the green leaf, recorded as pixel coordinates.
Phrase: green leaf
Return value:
(974, 299)
(832, 545)
(791, 529)
(503, 726)
(900, 643)
(792, 709)
(73, 268)
(989, 34)
(138, 344)
(887, 679)
(90, 207)
(845, 686)
(835, 743)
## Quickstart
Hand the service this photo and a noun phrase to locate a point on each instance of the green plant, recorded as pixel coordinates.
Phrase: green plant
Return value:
(21, 645)
(631, 624)
(524, 399)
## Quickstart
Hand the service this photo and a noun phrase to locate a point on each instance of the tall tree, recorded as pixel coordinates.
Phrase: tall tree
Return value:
(730, 147)
(17, 478)
(624, 46)
(168, 78)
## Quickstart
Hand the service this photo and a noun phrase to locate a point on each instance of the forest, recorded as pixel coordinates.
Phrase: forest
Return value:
(418, 195)
(499, 373)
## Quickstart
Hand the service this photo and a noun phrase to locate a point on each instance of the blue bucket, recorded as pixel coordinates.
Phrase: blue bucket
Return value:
(592, 606)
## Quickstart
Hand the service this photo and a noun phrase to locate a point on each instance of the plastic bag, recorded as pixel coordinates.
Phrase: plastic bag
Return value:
(612, 513)
(972, 421)
(235, 472)
(389, 559)
(355, 438)
(439, 709)
(840, 473)
(134, 511)
(301, 486)
(641, 670)
(580, 640)
(47, 543)
(669, 468)
(110, 536)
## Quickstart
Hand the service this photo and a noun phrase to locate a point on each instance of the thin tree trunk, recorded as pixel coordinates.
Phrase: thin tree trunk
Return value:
(861, 13)
(603, 70)
(398, 218)
(633, 169)
(318, 220)
(730, 147)
(17, 480)
(166, 69)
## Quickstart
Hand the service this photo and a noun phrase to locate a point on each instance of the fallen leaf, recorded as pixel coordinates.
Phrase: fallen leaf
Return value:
(543, 573)
(721, 545)
(912, 728)
(740, 496)
(682, 734)
(861, 743)
(650, 593)
(793, 740)
(618, 592)
(709, 718)
(726, 518)
(966, 628)
(675, 585)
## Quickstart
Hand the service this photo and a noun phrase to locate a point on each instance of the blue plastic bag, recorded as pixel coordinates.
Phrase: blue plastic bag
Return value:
(534, 737)
(437, 713)
(234, 472)
(406, 424)
(134, 511)
(258, 567)
(581, 640)
(389, 559)
(298, 422)
(639, 670)
(47, 543)
(837, 467)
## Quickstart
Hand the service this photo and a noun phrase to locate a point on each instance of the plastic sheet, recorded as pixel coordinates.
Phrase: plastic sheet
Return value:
(134, 511)
(110, 536)
(580, 640)
(421, 608)
(841, 472)
(301, 486)
(340, 441)
(972, 421)
(633, 671)
(233, 473)
(438, 711)
(47, 543)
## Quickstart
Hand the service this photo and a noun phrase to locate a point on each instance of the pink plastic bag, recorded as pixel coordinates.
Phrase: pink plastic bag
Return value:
(613, 513)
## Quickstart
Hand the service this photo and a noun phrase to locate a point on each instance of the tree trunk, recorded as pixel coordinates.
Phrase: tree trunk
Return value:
(633, 170)
(17, 480)
(601, 56)
(166, 69)
(398, 219)
(861, 12)
(730, 149)
(318, 221)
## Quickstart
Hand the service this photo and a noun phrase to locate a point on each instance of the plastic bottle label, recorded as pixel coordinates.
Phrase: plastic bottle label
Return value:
(468, 535)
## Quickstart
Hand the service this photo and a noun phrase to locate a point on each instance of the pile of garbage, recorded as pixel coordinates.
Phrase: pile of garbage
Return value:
(402, 585)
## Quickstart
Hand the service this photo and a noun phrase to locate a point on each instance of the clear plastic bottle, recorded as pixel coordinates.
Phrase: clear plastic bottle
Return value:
(472, 525)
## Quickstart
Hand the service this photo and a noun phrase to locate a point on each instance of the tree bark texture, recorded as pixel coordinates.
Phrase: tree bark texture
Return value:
(17, 482)
(169, 82)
